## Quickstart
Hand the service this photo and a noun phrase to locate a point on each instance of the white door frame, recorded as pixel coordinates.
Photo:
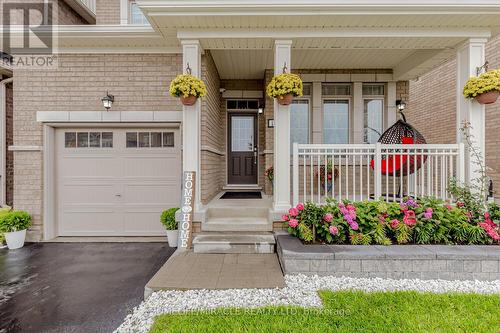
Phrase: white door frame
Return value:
(165, 119)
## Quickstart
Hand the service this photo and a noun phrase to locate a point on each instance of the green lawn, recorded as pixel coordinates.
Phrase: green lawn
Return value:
(351, 311)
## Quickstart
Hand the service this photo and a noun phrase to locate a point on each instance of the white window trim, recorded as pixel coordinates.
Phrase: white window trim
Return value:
(124, 9)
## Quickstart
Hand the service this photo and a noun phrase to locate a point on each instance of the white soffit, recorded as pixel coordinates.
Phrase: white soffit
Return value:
(251, 64)
(115, 38)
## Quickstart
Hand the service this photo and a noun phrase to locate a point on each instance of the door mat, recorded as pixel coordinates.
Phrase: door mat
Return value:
(242, 195)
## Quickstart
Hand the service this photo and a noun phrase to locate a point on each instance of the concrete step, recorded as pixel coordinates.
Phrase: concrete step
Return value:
(224, 224)
(242, 210)
(235, 242)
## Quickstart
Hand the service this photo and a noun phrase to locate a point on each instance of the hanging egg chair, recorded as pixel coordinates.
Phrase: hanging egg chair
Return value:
(401, 165)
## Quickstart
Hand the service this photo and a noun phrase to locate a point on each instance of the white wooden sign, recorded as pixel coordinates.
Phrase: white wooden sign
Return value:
(187, 209)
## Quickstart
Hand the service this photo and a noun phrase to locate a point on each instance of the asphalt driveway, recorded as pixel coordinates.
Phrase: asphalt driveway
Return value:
(74, 287)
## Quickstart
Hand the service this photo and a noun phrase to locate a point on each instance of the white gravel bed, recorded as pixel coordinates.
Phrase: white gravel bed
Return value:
(300, 290)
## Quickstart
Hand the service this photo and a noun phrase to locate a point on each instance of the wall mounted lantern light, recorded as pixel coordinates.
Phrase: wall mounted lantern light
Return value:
(107, 101)
(401, 105)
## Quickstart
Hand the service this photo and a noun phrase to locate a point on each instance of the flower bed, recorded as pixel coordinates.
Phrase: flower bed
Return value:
(423, 221)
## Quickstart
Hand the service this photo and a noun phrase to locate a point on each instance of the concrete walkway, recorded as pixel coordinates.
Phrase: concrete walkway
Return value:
(188, 270)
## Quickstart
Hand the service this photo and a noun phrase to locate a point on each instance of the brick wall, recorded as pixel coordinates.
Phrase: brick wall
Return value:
(108, 12)
(212, 133)
(9, 175)
(433, 109)
(62, 13)
(139, 82)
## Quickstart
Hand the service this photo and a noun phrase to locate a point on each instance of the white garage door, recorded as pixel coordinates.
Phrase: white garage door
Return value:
(116, 182)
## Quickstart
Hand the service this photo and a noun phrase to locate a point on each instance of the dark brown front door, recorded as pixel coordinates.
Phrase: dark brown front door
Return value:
(242, 149)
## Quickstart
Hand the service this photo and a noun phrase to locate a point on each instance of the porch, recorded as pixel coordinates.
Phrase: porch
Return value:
(345, 66)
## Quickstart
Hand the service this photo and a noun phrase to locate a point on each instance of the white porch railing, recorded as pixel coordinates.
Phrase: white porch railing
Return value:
(367, 171)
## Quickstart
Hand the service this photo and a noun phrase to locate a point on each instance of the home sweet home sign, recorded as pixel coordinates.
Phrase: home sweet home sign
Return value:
(187, 209)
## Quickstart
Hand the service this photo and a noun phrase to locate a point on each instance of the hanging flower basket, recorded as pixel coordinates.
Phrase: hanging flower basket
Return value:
(188, 88)
(488, 98)
(285, 99)
(284, 87)
(485, 88)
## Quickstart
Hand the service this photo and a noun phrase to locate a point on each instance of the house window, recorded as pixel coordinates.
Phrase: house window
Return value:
(336, 89)
(373, 119)
(373, 112)
(136, 15)
(299, 121)
(242, 104)
(336, 121)
(149, 139)
(88, 139)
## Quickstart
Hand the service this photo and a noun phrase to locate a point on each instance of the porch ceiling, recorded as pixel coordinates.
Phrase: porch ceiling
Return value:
(407, 63)
(410, 37)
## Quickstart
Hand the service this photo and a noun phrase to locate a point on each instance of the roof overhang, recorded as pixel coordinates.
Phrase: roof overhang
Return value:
(410, 37)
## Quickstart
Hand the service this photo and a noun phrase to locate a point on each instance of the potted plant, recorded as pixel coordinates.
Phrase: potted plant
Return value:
(188, 88)
(14, 224)
(167, 218)
(270, 175)
(485, 88)
(284, 87)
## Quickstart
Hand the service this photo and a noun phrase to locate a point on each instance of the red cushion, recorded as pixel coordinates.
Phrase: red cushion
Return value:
(394, 162)
(406, 140)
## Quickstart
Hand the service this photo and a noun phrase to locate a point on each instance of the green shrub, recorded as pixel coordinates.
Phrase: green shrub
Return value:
(15, 220)
(167, 218)
(422, 221)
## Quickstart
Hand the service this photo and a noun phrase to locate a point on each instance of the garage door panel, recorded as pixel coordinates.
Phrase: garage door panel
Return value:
(89, 166)
(155, 166)
(82, 222)
(115, 191)
(144, 221)
(152, 194)
(90, 195)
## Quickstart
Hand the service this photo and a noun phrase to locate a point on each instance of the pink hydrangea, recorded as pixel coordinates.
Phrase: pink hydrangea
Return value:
(409, 218)
(300, 206)
(293, 223)
(428, 213)
(328, 217)
(293, 211)
(349, 213)
(394, 223)
(285, 217)
(491, 231)
(333, 230)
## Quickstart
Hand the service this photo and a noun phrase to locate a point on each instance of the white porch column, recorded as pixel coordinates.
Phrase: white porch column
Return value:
(469, 57)
(191, 118)
(282, 189)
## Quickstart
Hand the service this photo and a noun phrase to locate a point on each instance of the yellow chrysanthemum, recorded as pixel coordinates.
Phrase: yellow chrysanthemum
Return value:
(486, 82)
(285, 84)
(187, 85)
